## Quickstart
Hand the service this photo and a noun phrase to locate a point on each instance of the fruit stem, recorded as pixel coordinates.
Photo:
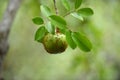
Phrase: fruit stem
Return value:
(56, 10)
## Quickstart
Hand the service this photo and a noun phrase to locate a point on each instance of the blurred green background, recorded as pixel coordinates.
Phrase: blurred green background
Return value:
(27, 59)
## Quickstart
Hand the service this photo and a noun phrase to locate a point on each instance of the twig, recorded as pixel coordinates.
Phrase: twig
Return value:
(68, 13)
(56, 10)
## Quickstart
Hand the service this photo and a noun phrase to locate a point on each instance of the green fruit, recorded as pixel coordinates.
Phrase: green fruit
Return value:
(55, 43)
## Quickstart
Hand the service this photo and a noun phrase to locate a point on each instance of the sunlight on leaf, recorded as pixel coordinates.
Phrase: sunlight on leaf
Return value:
(77, 16)
(50, 28)
(45, 10)
(66, 4)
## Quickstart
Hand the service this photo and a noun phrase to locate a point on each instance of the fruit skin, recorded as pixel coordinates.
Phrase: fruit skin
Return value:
(55, 43)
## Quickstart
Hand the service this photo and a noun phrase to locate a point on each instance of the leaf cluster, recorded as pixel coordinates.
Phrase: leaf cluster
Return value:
(74, 39)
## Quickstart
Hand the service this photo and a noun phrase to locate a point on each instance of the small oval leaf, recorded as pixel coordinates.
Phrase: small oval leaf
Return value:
(77, 16)
(69, 39)
(81, 41)
(50, 28)
(66, 4)
(38, 20)
(78, 3)
(85, 12)
(40, 33)
(58, 21)
(45, 10)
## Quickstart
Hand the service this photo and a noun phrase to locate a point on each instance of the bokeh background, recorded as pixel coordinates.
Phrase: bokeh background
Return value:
(27, 59)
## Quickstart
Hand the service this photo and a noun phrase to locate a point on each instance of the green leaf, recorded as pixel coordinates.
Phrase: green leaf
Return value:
(70, 40)
(40, 33)
(66, 4)
(77, 16)
(58, 21)
(45, 10)
(81, 41)
(62, 31)
(50, 28)
(78, 3)
(85, 12)
(38, 20)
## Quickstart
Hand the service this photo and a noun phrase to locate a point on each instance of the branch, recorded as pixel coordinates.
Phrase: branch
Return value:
(9, 15)
(5, 26)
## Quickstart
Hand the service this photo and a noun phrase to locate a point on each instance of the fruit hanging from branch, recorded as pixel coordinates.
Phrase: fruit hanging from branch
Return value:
(55, 43)
(55, 35)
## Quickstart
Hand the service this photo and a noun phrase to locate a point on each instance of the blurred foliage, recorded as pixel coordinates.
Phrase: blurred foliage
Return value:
(27, 59)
